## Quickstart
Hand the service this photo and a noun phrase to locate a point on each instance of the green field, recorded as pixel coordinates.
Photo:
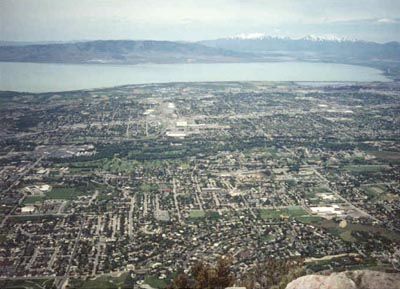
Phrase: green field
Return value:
(3, 238)
(291, 211)
(374, 190)
(345, 233)
(27, 284)
(379, 192)
(196, 214)
(213, 215)
(33, 199)
(103, 282)
(65, 193)
(155, 282)
(365, 168)
(309, 219)
(391, 156)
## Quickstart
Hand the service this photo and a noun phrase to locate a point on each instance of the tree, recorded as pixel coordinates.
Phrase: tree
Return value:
(224, 277)
(206, 276)
(180, 282)
(274, 274)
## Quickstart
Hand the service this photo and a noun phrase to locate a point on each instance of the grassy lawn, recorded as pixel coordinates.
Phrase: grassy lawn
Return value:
(345, 233)
(346, 236)
(374, 191)
(379, 192)
(270, 214)
(213, 215)
(65, 193)
(155, 282)
(33, 199)
(146, 188)
(391, 156)
(103, 282)
(27, 284)
(196, 214)
(365, 168)
(309, 219)
(268, 237)
(118, 165)
(291, 211)
(3, 238)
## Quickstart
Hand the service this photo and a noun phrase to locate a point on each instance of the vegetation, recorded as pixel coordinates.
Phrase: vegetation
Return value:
(196, 214)
(272, 274)
(104, 282)
(25, 284)
(206, 276)
(65, 193)
(291, 211)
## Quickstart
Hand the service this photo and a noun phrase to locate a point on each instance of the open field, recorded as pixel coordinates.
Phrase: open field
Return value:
(291, 211)
(103, 282)
(365, 168)
(345, 233)
(196, 214)
(27, 284)
(65, 193)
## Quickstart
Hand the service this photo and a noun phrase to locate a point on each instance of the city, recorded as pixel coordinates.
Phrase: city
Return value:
(135, 184)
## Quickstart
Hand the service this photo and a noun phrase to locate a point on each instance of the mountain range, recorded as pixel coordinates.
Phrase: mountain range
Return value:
(309, 48)
(253, 47)
(119, 52)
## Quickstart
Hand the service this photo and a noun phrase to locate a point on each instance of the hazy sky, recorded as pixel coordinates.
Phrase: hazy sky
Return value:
(33, 20)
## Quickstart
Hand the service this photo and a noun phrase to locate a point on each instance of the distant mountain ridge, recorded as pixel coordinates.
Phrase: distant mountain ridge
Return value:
(310, 37)
(253, 47)
(118, 51)
(309, 47)
(328, 48)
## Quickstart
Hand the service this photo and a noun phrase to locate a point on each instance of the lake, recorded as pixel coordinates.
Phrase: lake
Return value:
(39, 77)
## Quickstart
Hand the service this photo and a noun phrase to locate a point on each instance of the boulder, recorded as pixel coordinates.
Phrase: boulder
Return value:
(360, 279)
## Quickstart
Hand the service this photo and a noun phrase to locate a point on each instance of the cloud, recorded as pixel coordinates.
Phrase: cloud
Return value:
(192, 19)
(387, 21)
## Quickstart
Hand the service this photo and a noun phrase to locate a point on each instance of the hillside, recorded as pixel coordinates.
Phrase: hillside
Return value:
(359, 279)
(313, 48)
(309, 47)
(118, 52)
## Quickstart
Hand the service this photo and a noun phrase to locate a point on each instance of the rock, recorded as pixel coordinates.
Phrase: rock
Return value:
(322, 282)
(367, 279)
(360, 279)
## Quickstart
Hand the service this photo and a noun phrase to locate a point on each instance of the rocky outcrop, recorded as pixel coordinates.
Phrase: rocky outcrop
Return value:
(360, 279)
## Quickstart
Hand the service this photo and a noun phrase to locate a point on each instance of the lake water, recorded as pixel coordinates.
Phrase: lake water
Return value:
(38, 77)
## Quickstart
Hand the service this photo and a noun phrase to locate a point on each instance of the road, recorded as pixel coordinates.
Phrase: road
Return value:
(197, 191)
(130, 217)
(362, 212)
(16, 182)
(63, 281)
(176, 200)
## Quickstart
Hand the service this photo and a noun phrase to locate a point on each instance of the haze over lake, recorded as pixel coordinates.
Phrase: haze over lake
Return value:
(35, 77)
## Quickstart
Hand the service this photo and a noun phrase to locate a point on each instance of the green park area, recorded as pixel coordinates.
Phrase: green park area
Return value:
(290, 211)
(365, 168)
(196, 214)
(69, 192)
(155, 282)
(27, 284)
(123, 281)
(346, 232)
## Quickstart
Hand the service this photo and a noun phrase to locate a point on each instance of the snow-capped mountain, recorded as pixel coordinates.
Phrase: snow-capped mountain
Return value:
(252, 36)
(327, 37)
(311, 47)
(310, 37)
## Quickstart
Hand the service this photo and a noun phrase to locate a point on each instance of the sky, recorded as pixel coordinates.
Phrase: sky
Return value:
(193, 20)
